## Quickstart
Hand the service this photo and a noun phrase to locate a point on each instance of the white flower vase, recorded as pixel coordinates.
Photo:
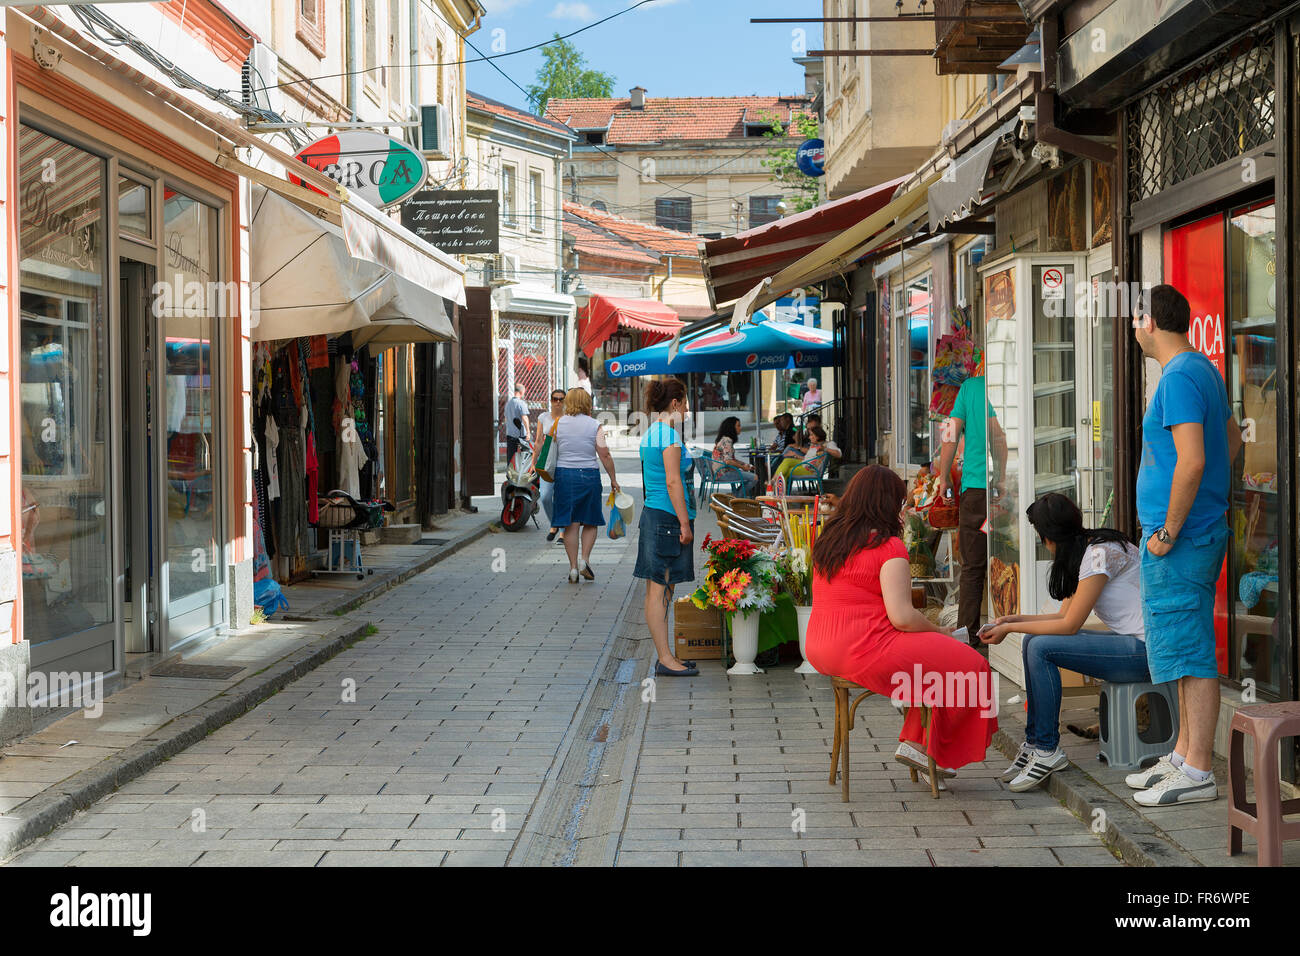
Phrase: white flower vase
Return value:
(744, 643)
(804, 613)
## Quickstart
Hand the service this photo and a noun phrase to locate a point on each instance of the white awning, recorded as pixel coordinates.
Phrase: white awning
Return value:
(312, 281)
(532, 300)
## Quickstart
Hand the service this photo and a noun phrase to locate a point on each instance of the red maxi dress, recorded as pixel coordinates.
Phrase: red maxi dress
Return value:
(850, 636)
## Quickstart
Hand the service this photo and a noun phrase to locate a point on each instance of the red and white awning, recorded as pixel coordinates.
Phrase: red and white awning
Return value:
(602, 314)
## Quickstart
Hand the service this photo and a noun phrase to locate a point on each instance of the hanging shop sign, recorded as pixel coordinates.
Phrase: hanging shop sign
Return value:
(457, 221)
(811, 157)
(380, 169)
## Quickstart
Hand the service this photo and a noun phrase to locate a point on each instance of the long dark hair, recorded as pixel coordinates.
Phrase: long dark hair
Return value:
(869, 514)
(730, 428)
(1058, 519)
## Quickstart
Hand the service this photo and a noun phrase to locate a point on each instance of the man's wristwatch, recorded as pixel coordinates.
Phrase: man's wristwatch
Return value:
(1163, 536)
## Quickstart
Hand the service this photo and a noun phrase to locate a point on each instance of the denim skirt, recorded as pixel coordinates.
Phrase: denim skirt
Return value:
(660, 555)
(577, 498)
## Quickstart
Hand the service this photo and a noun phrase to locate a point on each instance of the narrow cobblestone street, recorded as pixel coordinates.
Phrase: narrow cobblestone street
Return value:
(433, 742)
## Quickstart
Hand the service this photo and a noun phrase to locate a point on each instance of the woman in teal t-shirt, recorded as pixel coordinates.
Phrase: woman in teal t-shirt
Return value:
(667, 525)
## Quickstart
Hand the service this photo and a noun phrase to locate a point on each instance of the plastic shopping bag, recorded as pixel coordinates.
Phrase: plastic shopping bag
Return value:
(616, 528)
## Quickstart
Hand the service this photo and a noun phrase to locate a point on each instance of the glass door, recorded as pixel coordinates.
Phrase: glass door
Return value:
(1097, 405)
(192, 576)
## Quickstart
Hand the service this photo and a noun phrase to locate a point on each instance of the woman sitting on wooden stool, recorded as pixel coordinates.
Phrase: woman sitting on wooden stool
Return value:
(865, 629)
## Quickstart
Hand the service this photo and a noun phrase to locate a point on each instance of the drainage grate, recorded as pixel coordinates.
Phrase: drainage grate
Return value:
(432, 541)
(197, 671)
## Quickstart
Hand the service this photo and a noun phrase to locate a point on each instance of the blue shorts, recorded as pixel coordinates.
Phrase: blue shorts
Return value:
(1178, 605)
(660, 555)
(577, 498)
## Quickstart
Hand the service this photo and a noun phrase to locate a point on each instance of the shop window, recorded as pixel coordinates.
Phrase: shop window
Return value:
(398, 423)
(63, 373)
(370, 47)
(134, 209)
(912, 309)
(763, 209)
(393, 72)
(310, 28)
(673, 214)
(609, 393)
(1257, 520)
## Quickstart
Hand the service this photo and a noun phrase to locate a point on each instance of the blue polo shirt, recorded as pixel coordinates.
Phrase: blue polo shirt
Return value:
(1190, 390)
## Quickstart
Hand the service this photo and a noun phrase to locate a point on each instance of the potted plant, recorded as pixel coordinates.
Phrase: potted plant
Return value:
(740, 580)
(796, 578)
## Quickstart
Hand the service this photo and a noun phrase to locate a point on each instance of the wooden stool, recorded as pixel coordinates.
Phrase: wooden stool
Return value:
(1267, 724)
(845, 713)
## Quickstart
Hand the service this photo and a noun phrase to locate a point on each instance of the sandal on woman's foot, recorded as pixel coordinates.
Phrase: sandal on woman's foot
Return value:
(573, 575)
(661, 671)
(585, 571)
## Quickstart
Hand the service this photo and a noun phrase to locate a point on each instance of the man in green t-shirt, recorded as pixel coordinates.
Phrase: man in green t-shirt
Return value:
(970, 416)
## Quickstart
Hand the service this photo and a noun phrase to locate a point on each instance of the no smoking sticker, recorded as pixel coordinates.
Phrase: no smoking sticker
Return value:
(1053, 284)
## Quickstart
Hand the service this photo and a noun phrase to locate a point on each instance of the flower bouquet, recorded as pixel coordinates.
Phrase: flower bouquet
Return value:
(740, 579)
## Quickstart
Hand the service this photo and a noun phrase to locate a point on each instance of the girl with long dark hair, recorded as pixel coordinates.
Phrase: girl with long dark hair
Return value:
(864, 628)
(724, 450)
(1093, 570)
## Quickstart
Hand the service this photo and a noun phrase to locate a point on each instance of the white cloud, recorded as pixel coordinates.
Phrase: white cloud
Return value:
(572, 11)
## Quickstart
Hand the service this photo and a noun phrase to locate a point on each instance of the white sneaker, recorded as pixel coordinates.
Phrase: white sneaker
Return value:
(1144, 779)
(1038, 769)
(910, 757)
(1176, 788)
(1018, 764)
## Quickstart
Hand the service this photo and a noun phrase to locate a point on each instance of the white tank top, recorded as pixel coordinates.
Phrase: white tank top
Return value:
(576, 436)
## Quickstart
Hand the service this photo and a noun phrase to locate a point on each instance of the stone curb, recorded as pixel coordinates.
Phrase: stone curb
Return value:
(386, 582)
(61, 801)
(1137, 841)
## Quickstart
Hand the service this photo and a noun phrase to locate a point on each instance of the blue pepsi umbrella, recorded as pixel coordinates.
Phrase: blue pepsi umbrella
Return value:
(765, 345)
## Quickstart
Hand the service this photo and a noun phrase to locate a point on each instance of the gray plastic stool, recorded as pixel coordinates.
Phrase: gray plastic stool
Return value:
(1122, 747)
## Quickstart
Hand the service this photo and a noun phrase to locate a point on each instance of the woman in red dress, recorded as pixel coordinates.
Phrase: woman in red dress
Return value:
(864, 628)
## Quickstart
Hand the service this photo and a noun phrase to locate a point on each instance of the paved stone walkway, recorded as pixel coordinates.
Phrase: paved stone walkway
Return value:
(461, 699)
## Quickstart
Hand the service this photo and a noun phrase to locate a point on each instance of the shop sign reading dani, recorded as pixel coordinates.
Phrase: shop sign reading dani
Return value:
(380, 169)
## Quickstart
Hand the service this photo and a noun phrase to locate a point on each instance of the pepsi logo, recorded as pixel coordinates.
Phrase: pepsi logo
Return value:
(717, 340)
(751, 360)
(798, 358)
(615, 367)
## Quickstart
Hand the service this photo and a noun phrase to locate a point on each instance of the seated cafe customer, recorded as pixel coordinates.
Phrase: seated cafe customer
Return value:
(817, 444)
(724, 450)
(1093, 569)
(865, 629)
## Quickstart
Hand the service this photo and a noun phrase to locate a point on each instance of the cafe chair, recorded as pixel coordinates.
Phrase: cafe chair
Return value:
(715, 474)
(808, 477)
(845, 713)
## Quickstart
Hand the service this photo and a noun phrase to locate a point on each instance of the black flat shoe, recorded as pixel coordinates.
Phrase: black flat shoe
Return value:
(661, 671)
(551, 536)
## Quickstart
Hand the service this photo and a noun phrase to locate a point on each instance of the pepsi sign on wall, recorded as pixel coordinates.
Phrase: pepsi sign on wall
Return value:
(378, 168)
(811, 157)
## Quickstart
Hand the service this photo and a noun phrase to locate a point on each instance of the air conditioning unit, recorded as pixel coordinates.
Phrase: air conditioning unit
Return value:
(435, 131)
(260, 70)
(503, 269)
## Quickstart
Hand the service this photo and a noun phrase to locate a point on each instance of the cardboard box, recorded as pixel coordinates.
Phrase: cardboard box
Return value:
(697, 635)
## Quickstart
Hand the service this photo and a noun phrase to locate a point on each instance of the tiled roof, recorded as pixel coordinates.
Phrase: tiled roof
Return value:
(674, 117)
(476, 101)
(590, 241)
(655, 238)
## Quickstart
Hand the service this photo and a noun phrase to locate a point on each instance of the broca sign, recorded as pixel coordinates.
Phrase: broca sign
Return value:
(378, 168)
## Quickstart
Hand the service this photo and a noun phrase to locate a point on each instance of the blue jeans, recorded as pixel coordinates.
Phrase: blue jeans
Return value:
(548, 501)
(1121, 658)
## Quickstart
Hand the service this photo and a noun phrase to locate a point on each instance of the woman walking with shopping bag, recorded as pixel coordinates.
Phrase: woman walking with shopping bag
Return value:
(663, 556)
(547, 455)
(577, 505)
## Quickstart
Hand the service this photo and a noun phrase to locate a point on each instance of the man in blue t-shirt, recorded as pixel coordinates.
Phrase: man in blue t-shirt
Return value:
(1189, 441)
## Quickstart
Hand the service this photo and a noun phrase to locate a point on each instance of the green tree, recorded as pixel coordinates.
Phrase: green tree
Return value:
(781, 160)
(564, 75)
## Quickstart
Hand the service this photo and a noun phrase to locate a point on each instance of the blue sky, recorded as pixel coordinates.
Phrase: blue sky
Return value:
(671, 47)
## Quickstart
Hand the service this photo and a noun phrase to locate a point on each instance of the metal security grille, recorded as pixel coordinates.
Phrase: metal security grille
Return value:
(1209, 114)
(524, 357)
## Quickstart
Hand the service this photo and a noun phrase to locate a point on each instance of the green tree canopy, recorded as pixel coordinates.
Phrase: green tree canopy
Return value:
(564, 74)
(782, 160)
